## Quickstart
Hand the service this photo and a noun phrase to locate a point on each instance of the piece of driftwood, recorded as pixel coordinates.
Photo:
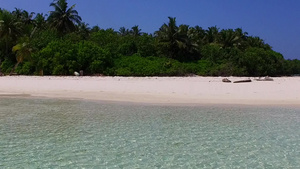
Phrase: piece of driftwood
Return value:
(267, 78)
(226, 80)
(243, 81)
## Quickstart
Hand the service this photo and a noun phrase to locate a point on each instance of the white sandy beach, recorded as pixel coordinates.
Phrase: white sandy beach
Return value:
(161, 90)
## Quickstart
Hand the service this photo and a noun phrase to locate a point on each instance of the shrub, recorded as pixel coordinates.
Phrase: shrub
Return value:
(64, 57)
(25, 68)
(7, 66)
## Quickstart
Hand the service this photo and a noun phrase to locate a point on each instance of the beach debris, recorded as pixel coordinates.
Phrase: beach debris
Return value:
(267, 78)
(243, 81)
(76, 74)
(226, 80)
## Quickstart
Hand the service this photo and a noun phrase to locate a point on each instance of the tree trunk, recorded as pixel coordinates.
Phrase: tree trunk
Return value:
(13, 70)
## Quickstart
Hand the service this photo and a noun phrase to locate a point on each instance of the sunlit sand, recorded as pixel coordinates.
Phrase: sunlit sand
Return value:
(161, 90)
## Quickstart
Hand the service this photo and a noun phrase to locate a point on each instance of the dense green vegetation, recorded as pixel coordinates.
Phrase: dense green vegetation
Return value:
(59, 44)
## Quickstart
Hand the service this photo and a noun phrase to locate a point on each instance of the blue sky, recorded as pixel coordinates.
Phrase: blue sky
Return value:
(275, 21)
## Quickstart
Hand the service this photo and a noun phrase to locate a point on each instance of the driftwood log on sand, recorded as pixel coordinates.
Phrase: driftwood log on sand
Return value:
(226, 80)
(267, 78)
(243, 81)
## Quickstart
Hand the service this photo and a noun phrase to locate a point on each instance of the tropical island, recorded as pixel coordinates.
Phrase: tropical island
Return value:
(61, 43)
(132, 108)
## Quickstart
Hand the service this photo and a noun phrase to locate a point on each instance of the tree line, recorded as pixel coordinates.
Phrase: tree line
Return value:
(61, 43)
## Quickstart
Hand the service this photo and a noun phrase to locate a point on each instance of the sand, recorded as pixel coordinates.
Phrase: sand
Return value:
(157, 90)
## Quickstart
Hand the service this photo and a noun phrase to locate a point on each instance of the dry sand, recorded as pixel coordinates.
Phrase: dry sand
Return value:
(157, 90)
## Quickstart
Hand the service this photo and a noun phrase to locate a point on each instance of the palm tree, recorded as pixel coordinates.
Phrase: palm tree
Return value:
(212, 34)
(28, 23)
(40, 21)
(27, 17)
(197, 35)
(184, 42)
(243, 36)
(123, 31)
(10, 28)
(188, 46)
(18, 13)
(84, 30)
(170, 38)
(95, 29)
(23, 16)
(183, 29)
(135, 31)
(258, 43)
(23, 51)
(63, 19)
(228, 38)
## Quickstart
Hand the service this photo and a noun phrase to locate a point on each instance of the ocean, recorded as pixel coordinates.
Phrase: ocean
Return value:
(54, 133)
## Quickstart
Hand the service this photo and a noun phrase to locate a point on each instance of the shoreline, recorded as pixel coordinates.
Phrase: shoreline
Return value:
(283, 91)
(146, 104)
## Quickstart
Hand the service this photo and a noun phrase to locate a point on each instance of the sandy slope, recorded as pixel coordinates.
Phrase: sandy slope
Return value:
(193, 90)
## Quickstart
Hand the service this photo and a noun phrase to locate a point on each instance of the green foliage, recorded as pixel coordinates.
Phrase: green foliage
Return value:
(292, 67)
(42, 38)
(25, 69)
(10, 28)
(63, 44)
(212, 52)
(106, 39)
(7, 65)
(155, 66)
(226, 69)
(65, 57)
(73, 37)
(93, 59)
(128, 47)
(146, 46)
(138, 66)
(260, 62)
(22, 50)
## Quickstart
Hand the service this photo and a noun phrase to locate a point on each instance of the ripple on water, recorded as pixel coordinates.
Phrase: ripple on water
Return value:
(48, 133)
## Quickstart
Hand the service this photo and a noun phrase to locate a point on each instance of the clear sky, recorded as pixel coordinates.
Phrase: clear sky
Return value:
(275, 21)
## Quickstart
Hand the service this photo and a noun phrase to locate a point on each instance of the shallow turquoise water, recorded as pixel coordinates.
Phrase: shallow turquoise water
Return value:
(50, 133)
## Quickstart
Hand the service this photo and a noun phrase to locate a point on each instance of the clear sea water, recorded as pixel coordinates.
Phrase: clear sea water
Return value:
(49, 133)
